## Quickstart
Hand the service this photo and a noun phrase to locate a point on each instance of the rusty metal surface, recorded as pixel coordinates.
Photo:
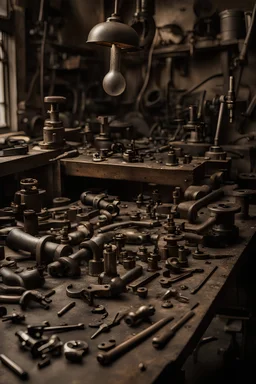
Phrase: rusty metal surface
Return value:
(151, 171)
(126, 369)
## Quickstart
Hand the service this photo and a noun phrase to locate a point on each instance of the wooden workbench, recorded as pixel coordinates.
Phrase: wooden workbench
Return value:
(159, 363)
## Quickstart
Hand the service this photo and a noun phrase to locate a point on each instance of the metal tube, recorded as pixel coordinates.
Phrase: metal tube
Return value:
(14, 367)
(124, 224)
(110, 262)
(121, 349)
(191, 210)
(17, 239)
(217, 133)
(66, 308)
(162, 340)
(200, 285)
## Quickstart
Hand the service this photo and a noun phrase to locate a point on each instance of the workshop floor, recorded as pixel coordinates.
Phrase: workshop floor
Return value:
(211, 367)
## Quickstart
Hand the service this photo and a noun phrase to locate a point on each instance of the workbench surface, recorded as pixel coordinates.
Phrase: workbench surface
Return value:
(36, 157)
(126, 368)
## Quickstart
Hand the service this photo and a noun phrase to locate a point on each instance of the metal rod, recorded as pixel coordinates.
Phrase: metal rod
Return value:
(200, 285)
(66, 308)
(116, 7)
(14, 367)
(162, 340)
(217, 134)
(108, 357)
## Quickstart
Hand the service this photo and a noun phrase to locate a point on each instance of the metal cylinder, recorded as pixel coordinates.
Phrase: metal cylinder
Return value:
(110, 262)
(129, 262)
(232, 24)
(96, 267)
(153, 263)
(30, 222)
(172, 158)
(182, 256)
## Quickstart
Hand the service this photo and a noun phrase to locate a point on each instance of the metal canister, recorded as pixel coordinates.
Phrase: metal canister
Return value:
(232, 24)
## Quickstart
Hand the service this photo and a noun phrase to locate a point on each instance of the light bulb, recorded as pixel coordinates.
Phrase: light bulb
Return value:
(114, 83)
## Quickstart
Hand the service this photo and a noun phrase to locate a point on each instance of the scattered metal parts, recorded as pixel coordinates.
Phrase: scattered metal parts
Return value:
(174, 265)
(172, 244)
(37, 331)
(142, 292)
(53, 131)
(99, 309)
(200, 285)
(36, 296)
(15, 150)
(119, 240)
(143, 253)
(129, 262)
(99, 202)
(160, 341)
(181, 277)
(75, 350)
(112, 355)
(96, 324)
(106, 327)
(66, 155)
(182, 256)
(53, 346)
(11, 290)
(167, 304)
(25, 299)
(224, 229)
(203, 341)
(17, 239)
(165, 283)
(143, 313)
(14, 367)
(50, 293)
(189, 209)
(107, 345)
(29, 196)
(15, 318)
(27, 342)
(44, 363)
(172, 292)
(87, 293)
(153, 262)
(30, 219)
(243, 197)
(102, 328)
(110, 264)
(199, 254)
(28, 279)
(130, 223)
(67, 308)
(115, 288)
(143, 281)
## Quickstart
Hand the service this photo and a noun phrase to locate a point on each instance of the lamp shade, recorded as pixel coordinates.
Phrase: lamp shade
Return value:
(113, 32)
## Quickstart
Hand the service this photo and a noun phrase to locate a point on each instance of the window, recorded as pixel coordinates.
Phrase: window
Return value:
(3, 77)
